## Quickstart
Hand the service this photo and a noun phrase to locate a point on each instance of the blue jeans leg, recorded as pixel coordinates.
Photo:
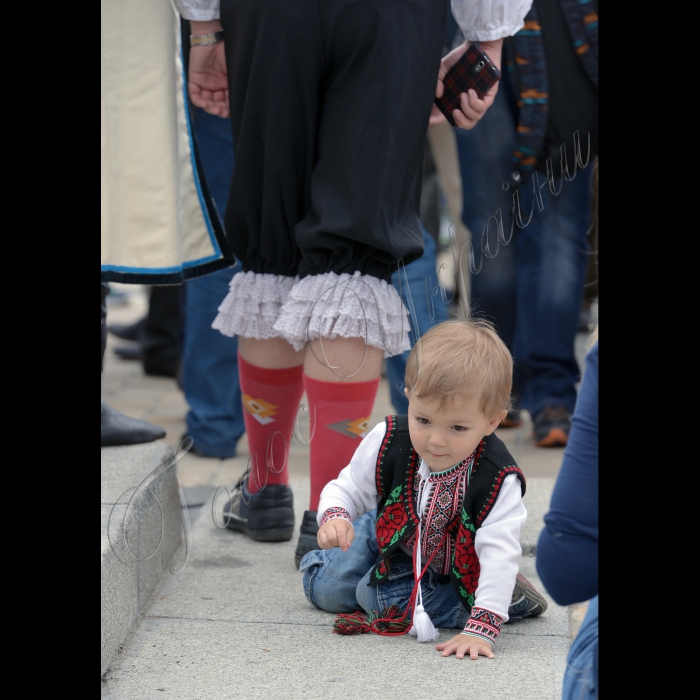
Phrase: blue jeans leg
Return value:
(210, 369)
(528, 280)
(581, 676)
(439, 597)
(210, 365)
(331, 575)
(337, 581)
(417, 285)
(552, 261)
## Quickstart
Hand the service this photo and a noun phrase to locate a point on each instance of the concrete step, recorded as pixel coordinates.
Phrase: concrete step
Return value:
(140, 530)
(234, 623)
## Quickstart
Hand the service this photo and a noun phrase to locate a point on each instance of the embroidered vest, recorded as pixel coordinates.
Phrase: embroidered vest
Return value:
(397, 510)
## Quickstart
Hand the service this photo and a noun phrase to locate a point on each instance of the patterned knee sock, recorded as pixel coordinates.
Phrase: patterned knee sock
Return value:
(339, 415)
(270, 398)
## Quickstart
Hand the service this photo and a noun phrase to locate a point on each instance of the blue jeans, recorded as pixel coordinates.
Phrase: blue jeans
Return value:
(581, 677)
(530, 286)
(210, 364)
(337, 581)
(417, 285)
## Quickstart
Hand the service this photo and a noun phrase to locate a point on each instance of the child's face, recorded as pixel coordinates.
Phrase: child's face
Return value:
(445, 438)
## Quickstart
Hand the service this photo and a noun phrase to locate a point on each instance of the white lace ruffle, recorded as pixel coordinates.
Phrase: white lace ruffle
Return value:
(253, 305)
(350, 306)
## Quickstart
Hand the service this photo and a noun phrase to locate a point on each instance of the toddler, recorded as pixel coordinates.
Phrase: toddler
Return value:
(422, 528)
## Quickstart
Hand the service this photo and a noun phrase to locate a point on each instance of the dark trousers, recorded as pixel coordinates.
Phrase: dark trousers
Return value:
(329, 109)
(161, 336)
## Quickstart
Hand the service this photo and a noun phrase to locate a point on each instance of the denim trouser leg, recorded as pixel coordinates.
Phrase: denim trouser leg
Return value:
(331, 575)
(336, 581)
(581, 677)
(439, 597)
(530, 282)
(210, 369)
(210, 365)
(417, 285)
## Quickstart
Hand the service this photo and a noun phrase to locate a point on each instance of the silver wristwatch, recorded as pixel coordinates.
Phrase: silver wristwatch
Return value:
(206, 39)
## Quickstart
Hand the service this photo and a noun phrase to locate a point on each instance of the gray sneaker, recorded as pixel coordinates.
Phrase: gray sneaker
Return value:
(526, 600)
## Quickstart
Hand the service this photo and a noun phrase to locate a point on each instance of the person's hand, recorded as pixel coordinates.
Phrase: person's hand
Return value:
(336, 533)
(472, 109)
(463, 644)
(207, 80)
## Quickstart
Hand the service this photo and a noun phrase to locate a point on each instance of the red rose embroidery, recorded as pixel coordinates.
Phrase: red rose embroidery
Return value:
(392, 519)
(466, 562)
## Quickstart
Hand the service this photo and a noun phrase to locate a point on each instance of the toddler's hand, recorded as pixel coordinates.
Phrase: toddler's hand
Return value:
(336, 533)
(466, 644)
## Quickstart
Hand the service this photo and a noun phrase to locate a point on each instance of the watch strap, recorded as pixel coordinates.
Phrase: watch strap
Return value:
(206, 39)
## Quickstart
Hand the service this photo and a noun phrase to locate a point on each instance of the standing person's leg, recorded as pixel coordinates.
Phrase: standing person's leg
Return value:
(209, 365)
(552, 262)
(161, 336)
(485, 156)
(418, 287)
(581, 676)
(116, 428)
(333, 201)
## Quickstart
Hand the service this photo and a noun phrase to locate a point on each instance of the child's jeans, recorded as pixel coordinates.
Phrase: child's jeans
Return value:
(581, 677)
(336, 581)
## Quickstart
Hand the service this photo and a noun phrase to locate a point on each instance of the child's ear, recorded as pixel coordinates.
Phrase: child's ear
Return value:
(496, 421)
(405, 391)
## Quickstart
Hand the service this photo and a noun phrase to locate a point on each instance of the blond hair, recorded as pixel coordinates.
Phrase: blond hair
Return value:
(458, 360)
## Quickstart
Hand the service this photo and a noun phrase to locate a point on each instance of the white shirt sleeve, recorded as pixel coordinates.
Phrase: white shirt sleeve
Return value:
(486, 20)
(497, 545)
(355, 489)
(198, 10)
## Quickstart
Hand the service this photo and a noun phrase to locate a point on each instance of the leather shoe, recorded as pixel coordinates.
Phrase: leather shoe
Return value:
(118, 429)
(265, 516)
(129, 352)
(130, 332)
(307, 536)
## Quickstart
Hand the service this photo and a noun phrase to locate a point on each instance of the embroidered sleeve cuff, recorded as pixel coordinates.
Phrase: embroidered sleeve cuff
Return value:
(332, 513)
(483, 624)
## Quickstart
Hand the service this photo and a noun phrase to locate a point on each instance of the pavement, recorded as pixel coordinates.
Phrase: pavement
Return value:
(233, 622)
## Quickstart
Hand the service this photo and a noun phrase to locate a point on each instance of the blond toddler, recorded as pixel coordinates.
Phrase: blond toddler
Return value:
(422, 528)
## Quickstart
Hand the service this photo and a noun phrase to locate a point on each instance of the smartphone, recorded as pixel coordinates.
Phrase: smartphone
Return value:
(473, 70)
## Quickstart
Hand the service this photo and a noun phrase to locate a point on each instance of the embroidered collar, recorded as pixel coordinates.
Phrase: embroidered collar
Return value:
(444, 475)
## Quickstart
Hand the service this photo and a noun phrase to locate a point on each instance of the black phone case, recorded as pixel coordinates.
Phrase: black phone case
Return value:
(473, 70)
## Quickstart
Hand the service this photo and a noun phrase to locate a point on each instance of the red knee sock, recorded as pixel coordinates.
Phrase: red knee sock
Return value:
(270, 399)
(339, 415)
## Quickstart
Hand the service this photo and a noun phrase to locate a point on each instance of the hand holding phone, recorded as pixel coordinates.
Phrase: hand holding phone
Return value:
(474, 69)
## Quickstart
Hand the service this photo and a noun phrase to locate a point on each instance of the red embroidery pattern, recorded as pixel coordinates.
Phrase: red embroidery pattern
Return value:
(484, 623)
(444, 504)
(333, 513)
(390, 426)
(466, 564)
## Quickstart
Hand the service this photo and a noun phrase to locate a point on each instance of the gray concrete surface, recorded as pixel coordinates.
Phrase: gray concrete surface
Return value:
(235, 624)
(222, 629)
(140, 529)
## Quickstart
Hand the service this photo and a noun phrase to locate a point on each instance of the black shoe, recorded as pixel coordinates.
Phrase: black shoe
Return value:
(526, 600)
(307, 536)
(161, 368)
(118, 429)
(129, 352)
(131, 332)
(265, 516)
(552, 426)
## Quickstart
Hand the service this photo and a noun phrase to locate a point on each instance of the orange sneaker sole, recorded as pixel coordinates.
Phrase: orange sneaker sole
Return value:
(555, 438)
